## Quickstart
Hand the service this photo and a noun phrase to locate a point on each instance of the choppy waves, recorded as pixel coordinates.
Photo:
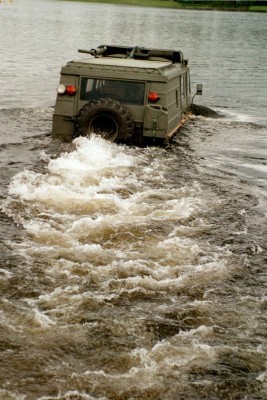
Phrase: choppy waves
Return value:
(127, 278)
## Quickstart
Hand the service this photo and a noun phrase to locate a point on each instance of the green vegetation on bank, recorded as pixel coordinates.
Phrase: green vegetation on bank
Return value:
(230, 5)
(141, 3)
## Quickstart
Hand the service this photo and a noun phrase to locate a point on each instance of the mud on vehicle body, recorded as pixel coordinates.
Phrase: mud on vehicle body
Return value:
(124, 94)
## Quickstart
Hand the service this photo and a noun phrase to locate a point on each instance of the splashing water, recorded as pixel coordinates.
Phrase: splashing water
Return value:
(119, 283)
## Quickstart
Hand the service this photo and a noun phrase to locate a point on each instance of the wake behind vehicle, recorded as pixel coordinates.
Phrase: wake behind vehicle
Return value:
(124, 94)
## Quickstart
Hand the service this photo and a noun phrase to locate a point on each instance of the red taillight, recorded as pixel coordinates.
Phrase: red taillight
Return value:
(153, 97)
(71, 90)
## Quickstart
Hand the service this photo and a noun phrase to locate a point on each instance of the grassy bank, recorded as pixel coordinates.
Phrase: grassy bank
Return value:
(140, 3)
(211, 5)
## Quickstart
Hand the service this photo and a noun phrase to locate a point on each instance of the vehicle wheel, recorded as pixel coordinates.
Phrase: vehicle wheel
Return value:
(107, 118)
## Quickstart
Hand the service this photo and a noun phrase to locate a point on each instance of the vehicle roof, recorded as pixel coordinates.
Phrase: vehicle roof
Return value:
(123, 62)
(161, 70)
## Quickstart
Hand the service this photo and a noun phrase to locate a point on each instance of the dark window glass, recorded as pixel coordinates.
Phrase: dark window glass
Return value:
(123, 91)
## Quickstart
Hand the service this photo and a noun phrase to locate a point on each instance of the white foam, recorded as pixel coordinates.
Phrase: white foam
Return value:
(167, 354)
(242, 117)
(71, 394)
(104, 213)
(91, 156)
(11, 395)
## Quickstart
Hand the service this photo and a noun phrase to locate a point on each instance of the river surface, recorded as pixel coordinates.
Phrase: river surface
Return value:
(133, 273)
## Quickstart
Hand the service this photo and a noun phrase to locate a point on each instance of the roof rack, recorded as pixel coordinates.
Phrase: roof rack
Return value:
(175, 56)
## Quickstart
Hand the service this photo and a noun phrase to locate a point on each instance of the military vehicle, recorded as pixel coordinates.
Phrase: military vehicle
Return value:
(124, 94)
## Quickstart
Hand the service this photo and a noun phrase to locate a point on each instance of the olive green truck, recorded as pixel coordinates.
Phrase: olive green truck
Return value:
(124, 94)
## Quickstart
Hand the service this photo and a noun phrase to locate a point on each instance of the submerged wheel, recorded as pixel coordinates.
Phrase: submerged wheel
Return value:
(107, 118)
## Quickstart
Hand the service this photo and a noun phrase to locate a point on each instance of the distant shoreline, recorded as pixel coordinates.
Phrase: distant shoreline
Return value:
(194, 5)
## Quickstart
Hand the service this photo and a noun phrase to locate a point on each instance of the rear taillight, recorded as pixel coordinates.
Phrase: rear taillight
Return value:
(70, 90)
(153, 97)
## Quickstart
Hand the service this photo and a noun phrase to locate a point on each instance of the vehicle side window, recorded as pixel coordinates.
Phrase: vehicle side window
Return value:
(125, 92)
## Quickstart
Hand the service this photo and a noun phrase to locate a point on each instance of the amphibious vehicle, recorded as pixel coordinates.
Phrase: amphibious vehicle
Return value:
(124, 94)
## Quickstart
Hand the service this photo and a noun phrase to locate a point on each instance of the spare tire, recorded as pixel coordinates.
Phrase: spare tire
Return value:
(107, 118)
